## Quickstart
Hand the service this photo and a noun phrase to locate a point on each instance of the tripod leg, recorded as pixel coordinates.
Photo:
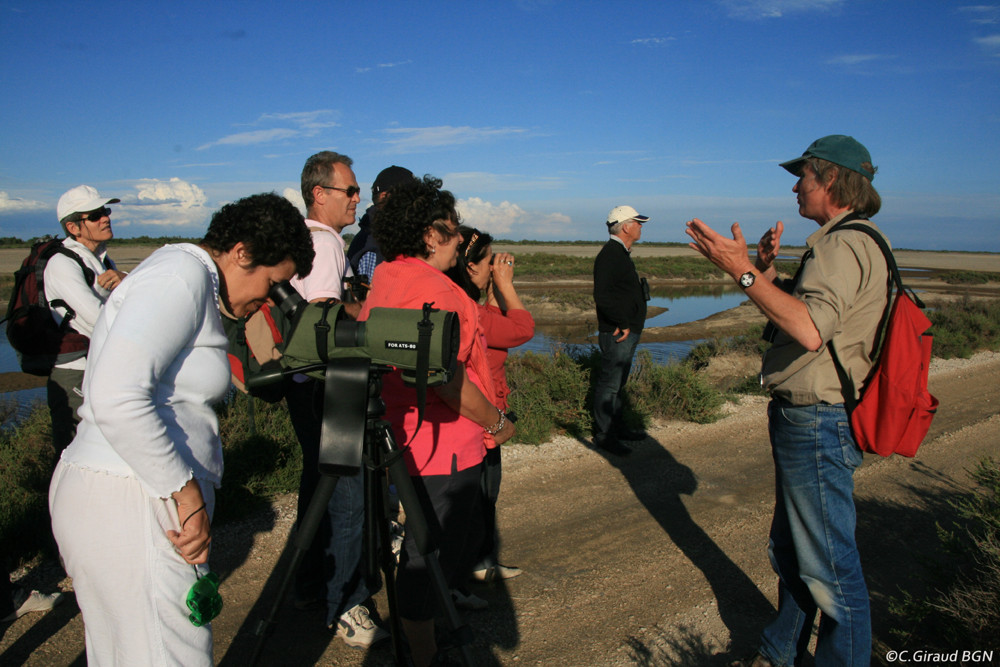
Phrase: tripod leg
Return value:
(381, 539)
(416, 527)
(303, 537)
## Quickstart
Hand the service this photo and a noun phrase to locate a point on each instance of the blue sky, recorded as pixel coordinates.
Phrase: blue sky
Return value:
(540, 115)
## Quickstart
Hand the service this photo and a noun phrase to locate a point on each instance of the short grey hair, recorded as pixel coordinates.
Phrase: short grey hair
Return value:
(318, 170)
(617, 227)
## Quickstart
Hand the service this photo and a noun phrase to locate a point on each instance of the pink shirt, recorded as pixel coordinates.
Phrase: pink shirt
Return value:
(446, 442)
(326, 280)
(503, 331)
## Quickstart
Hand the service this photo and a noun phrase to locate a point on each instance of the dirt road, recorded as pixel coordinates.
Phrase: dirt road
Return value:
(654, 559)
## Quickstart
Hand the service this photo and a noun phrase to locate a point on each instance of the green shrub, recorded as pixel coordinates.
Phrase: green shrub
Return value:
(549, 395)
(964, 327)
(749, 343)
(964, 608)
(674, 391)
(27, 459)
(262, 461)
(960, 277)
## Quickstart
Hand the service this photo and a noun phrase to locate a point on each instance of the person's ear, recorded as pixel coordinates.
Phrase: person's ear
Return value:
(73, 228)
(241, 255)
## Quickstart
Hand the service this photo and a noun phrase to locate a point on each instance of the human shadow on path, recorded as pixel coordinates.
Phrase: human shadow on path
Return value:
(658, 481)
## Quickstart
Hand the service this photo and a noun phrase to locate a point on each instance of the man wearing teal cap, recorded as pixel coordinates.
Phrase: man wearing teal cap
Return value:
(835, 301)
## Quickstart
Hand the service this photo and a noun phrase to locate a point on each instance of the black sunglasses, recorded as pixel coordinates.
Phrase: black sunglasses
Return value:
(95, 215)
(350, 190)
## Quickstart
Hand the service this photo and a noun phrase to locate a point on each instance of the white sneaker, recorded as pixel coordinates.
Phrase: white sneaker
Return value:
(468, 600)
(35, 602)
(358, 630)
(496, 572)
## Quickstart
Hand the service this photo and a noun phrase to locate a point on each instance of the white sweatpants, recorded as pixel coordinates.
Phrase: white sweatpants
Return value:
(130, 583)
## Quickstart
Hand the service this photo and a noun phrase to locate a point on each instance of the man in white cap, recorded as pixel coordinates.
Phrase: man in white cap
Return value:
(86, 219)
(620, 296)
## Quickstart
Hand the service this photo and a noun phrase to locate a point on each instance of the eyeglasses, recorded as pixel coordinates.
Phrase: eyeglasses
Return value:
(350, 190)
(95, 215)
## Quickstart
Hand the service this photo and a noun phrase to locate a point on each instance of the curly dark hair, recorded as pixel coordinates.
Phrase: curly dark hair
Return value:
(471, 250)
(413, 209)
(269, 225)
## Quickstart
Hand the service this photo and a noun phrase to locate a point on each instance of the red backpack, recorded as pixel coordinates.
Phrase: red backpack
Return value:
(895, 409)
(40, 343)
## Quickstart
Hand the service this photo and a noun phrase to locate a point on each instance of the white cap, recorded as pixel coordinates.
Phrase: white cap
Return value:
(623, 214)
(81, 199)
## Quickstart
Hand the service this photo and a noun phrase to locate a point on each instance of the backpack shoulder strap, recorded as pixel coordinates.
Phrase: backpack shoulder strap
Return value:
(893, 279)
(60, 249)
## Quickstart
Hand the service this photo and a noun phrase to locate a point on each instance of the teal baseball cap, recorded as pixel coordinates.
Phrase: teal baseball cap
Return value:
(839, 149)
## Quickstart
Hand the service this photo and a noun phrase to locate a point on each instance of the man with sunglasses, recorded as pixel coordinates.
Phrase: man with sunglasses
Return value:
(86, 219)
(330, 573)
(620, 296)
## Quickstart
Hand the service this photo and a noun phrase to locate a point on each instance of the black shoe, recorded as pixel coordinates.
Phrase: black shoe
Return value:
(629, 434)
(612, 446)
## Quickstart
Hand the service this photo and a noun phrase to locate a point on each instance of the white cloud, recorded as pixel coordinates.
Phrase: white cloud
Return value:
(253, 137)
(982, 14)
(10, 204)
(411, 139)
(990, 42)
(172, 203)
(857, 58)
(764, 9)
(500, 219)
(653, 41)
(175, 192)
(306, 119)
(306, 124)
(362, 70)
(294, 195)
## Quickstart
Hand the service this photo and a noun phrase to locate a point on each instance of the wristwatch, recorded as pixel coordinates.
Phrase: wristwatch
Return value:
(747, 279)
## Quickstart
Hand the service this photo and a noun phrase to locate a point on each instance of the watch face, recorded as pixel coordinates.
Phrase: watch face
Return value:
(747, 279)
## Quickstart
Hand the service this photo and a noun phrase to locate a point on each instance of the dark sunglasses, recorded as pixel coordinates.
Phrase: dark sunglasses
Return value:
(95, 215)
(350, 190)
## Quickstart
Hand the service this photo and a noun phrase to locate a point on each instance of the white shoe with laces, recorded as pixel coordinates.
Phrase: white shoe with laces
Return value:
(356, 627)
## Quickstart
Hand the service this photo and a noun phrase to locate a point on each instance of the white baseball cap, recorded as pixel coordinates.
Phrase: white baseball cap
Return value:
(623, 214)
(81, 199)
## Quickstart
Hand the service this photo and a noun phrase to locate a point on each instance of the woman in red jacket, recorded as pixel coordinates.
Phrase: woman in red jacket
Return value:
(488, 279)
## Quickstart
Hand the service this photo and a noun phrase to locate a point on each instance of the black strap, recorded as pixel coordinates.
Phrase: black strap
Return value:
(323, 328)
(425, 328)
(770, 330)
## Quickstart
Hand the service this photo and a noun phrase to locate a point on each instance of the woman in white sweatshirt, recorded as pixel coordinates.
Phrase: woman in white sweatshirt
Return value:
(132, 496)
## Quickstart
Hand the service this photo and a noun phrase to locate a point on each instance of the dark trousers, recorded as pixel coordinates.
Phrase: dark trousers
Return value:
(65, 396)
(616, 364)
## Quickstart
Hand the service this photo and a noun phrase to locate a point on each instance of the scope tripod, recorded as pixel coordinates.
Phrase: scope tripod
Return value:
(342, 452)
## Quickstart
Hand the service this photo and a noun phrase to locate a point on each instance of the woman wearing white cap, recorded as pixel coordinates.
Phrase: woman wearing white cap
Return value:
(86, 219)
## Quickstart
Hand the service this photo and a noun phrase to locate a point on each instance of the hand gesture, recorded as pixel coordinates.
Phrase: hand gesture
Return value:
(768, 246)
(110, 279)
(730, 255)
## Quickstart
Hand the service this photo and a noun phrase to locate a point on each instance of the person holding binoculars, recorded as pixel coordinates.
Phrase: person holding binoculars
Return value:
(506, 324)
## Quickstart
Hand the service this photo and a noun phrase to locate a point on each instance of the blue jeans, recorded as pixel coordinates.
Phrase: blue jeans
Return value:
(616, 364)
(812, 544)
